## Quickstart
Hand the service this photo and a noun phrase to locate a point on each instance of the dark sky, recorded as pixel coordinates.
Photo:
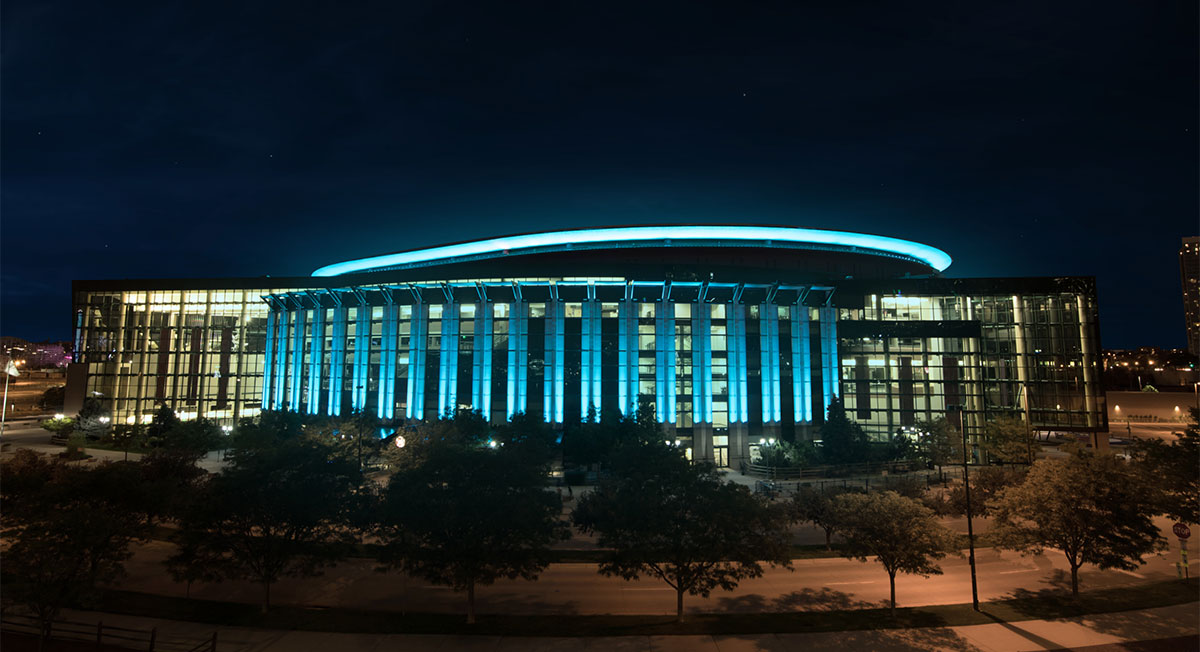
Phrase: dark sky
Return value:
(211, 139)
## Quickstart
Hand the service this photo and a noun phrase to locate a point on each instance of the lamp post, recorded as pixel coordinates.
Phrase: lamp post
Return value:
(958, 420)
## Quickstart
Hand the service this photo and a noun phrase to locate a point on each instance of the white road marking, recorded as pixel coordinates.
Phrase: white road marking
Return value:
(844, 583)
(1137, 575)
(1030, 570)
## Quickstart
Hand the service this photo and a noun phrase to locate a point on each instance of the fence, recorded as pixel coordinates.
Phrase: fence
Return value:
(101, 634)
(830, 470)
(866, 483)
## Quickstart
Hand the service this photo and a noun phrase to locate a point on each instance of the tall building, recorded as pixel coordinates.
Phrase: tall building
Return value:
(728, 335)
(1189, 278)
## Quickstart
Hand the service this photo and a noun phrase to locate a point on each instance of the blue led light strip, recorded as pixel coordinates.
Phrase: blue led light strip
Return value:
(337, 360)
(518, 358)
(627, 365)
(739, 411)
(297, 360)
(387, 361)
(830, 372)
(801, 366)
(590, 347)
(701, 363)
(481, 360)
(676, 235)
(362, 356)
(415, 408)
(768, 337)
(448, 366)
(316, 356)
(553, 387)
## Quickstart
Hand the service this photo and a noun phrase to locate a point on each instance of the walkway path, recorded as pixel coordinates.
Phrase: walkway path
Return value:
(1174, 627)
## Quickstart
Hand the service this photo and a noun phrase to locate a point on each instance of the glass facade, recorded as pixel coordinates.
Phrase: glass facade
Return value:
(718, 364)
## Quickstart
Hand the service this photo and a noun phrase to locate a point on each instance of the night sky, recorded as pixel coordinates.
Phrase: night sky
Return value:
(176, 139)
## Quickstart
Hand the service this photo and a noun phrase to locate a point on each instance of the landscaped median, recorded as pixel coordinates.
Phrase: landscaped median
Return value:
(1031, 606)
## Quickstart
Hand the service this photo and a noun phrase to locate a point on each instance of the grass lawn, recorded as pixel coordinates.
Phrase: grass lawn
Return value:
(1029, 606)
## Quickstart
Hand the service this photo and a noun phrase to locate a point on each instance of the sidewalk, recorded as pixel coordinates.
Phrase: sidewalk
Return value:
(1165, 624)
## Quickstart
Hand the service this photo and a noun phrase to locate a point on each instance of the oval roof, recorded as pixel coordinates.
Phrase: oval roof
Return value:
(642, 236)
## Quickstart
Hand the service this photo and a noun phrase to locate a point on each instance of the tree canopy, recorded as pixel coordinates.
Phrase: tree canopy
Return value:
(467, 516)
(1093, 507)
(662, 517)
(68, 527)
(278, 510)
(903, 535)
(842, 440)
(1009, 439)
(1173, 468)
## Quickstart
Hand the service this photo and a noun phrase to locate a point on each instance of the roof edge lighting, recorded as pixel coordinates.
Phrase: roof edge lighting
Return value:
(668, 235)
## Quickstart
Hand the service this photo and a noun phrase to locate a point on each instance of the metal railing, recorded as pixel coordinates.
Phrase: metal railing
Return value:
(125, 637)
(830, 470)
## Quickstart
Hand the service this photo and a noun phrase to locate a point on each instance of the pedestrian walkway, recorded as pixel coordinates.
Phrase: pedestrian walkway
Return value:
(1175, 627)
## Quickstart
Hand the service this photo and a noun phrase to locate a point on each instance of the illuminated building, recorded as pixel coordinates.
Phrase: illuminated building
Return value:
(725, 334)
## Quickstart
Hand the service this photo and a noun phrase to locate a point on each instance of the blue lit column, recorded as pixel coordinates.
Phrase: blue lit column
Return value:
(281, 343)
(738, 396)
(801, 366)
(316, 355)
(590, 348)
(702, 411)
(337, 356)
(664, 363)
(830, 372)
(481, 375)
(297, 361)
(553, 386)
(362, 356)
(268, 359)
(627, 364)
(448, 360)
(387, 359)
(518, 357)
(416, 361)
(768, 338)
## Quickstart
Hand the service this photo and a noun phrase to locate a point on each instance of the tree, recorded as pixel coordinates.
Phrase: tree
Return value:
(163, 421)
(466, 516)
(285, 510)
(69, 528)
(528, 440)
(1092, 507)
(1008, 439)
(1174, 470)
(195, 437)
(903, 535)
(817, 506)
(662, 517)
(937, 443)
(52, 399)
(986, 484)
(596, 441)
(842, 440)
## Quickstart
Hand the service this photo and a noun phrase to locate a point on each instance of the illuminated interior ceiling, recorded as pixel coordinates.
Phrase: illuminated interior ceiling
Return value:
(647, 236)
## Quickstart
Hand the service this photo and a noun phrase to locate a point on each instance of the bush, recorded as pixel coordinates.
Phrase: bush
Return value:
(53, 398)
(62, 427)
(76, 446)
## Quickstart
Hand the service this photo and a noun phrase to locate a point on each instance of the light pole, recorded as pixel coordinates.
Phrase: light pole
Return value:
(958, 414)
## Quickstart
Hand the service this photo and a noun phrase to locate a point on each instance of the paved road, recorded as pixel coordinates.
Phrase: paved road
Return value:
(814, 584)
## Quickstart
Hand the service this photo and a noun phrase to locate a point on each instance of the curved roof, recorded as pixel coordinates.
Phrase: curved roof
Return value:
(647, 236)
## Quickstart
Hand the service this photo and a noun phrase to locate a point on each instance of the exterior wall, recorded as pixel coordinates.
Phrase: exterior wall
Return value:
(200, 352)
(720, 365)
